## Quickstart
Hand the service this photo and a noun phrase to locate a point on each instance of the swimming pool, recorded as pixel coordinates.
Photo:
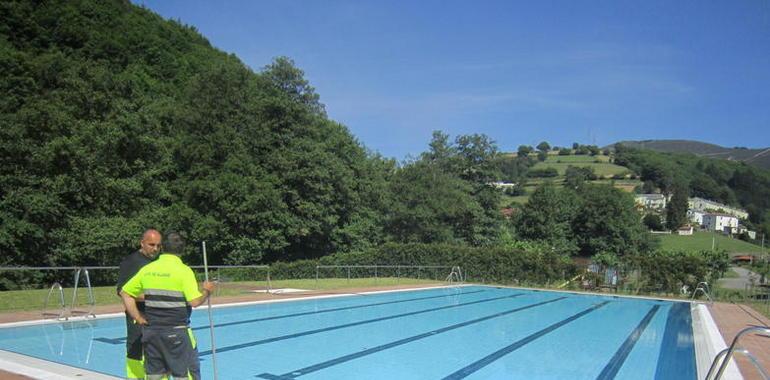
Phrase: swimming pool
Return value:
(470, 332)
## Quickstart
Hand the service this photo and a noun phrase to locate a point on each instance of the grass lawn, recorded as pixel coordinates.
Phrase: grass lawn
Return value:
(702, 241)
(521, 199)
(20, 300)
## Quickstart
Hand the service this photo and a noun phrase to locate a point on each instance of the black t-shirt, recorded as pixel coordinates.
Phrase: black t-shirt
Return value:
(129, 267)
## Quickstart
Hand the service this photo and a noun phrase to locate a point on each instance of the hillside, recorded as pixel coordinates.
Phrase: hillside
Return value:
(600, 164)
(115, 120)
(757, 157)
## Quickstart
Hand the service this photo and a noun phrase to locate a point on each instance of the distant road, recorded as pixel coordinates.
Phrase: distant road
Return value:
(740, 282)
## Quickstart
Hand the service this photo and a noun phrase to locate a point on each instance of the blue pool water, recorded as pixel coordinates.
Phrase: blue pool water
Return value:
(473, 332)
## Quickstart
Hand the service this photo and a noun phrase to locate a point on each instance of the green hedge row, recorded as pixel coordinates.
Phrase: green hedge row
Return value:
(479, 264)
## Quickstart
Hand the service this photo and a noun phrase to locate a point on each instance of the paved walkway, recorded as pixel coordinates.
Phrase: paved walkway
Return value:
(731, 319)
(745, 277)
(12, 376)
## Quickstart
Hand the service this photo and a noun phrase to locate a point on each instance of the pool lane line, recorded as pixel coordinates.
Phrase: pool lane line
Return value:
(677, 352)
(356, 355)
(353, 324)
(121, 340)
(483, 362)
(616, 362)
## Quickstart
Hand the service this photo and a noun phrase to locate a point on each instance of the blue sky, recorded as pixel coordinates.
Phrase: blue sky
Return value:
(519, 72)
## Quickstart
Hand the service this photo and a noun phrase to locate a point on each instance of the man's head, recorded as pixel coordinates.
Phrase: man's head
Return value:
(174, 243)
(150, 243)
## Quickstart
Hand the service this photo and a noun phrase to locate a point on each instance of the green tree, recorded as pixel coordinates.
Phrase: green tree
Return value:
(285, 76)
(676, 209)
(543, 146)
(653, 222)
(524, 150)
(576, 176)
(608, 222)
(431, 206)
(548, 216)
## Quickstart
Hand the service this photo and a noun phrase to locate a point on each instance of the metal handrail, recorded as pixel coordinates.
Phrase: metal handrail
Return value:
(728, 353)
(62, 316)
(703, 286)
(91, 300)
(456, 276)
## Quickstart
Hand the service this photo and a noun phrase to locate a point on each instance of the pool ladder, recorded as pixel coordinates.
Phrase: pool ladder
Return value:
(64, 312)
(703, 287)
(727, 354)
(456, 276)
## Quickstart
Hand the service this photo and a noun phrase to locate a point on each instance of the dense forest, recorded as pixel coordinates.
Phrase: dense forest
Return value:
(115, 120)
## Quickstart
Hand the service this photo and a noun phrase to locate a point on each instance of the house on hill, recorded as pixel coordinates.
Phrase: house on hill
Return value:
(720, 222)
(701, 204)
(695, 216)
(655, 202)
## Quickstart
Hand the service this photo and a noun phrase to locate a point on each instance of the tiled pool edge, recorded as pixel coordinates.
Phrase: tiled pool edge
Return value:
(44, 369)
(708, 343)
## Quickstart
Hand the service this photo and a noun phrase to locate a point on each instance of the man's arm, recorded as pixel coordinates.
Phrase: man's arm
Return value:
(130, 303)
(123, 275)
(208, 287)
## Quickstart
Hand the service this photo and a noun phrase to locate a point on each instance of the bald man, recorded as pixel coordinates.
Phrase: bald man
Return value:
(131, 264)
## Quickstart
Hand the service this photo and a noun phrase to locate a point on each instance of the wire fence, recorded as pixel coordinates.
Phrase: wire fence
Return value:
(68, 290)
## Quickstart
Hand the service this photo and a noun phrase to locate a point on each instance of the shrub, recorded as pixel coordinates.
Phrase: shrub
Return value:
(668, 271)
(543, 173)
(499, 264)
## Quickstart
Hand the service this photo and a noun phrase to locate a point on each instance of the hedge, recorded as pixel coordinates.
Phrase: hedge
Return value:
(479, 264)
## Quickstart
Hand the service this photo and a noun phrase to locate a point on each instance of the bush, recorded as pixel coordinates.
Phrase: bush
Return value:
(668, 271)
(543, 173)
(484, 264)
(515, 191)
(501, 265)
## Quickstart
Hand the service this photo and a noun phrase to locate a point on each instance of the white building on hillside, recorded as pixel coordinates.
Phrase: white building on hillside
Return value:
(503, 185)
(720, 222)
(701, 204)
(651, 201)
(695, 216)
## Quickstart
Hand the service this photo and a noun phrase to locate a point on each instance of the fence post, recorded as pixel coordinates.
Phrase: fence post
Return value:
(316, 277)
(375, 274)
(348, 268)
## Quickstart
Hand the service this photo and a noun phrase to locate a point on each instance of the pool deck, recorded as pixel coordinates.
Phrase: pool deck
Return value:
(729, 319)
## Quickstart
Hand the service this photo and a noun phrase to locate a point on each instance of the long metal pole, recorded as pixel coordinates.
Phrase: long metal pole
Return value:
(211, 319)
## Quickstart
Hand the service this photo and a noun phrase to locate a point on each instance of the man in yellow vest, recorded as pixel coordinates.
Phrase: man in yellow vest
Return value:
(170, 292)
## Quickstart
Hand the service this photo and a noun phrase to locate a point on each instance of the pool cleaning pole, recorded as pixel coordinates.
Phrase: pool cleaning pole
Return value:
(211, 320)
